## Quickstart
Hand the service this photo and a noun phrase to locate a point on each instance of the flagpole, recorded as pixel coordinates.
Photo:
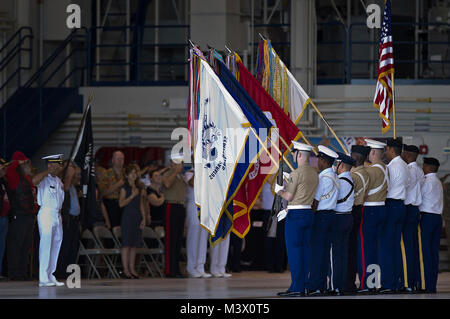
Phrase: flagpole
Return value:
(265, 148)
(329, 127)
(393, 105)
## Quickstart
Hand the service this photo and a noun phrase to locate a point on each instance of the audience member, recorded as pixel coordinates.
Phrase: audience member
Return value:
(4, 210)
(110, 185)
(22, 216)
(132, 197)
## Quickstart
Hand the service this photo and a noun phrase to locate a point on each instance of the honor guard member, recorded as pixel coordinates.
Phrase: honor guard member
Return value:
(50, 197)
(218, 255)
(300, 190)
(174, 192)
(196, 236)
(361, 180)
(391, 251)
(325, 201)
(373, 213)
(342, 225)
(430, 224)
(413, 200)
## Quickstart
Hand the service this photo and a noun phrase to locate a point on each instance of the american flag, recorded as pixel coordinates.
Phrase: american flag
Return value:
(383, 99)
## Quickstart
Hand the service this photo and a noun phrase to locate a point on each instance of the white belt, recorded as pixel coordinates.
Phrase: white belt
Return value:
(373, 204)
(299, 207)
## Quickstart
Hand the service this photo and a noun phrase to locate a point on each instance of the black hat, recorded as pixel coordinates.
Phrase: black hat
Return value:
(431, 161)
(394, 143)
(361, 149)
(411, 148)
(346, 159)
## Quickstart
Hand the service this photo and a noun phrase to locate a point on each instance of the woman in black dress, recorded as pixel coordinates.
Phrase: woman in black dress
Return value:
(156, 198)
(132, 199)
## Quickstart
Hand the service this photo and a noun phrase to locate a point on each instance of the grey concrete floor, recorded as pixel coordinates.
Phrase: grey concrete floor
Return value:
(247, 285)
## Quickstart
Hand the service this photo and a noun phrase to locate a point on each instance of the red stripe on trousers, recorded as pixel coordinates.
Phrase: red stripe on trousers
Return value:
(167, 248)
(362, 250)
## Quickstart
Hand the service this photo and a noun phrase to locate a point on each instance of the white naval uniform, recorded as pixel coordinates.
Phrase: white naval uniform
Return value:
(196, 236)
(50, 196)
(219, 255)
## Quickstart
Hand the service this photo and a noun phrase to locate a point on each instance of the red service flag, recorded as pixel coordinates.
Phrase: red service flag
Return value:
(252, 186)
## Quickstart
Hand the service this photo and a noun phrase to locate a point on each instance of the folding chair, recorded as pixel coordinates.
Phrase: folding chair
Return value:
(105, 239)
(158, 251)
(92, 254)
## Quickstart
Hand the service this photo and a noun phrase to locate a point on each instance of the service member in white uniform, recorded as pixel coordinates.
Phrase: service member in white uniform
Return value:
(218, 254)
(412, 203)
(50, 196)
(391, 251)
(325, 201)
(196, 236)
(430, 223)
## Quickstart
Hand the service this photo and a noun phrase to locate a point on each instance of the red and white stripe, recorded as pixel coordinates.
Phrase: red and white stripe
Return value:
(384, 93)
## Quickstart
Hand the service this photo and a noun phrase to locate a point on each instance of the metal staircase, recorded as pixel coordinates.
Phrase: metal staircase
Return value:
(39, 106)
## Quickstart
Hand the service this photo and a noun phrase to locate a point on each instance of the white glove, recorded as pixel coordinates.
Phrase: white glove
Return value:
(278, 188)
(281, 215)
(286, 175)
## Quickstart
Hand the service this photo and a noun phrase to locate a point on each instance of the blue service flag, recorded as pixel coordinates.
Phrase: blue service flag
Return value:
(258, 120)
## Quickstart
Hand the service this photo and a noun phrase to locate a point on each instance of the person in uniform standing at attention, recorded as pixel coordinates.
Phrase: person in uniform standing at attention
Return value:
(343, 222)
(218, 254)
(196, 237)
(299, 193)
(413, 200)
(113, 179)
(132, 200)
(174, 189)
(391, 251)
(324, 204)
(50, 198)
(430, 223)
(361, 180)
(373, 213)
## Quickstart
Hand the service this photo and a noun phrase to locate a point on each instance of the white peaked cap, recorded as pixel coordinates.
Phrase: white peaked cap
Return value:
(53, 158)
(375, 144)
(326, 151)
(301, 147)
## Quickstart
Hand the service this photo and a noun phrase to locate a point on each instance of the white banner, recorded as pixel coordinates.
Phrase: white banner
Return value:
(222, 131)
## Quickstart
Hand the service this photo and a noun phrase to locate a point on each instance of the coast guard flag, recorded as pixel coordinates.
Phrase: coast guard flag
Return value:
(222, 132)
(384, 89)
(83, 156)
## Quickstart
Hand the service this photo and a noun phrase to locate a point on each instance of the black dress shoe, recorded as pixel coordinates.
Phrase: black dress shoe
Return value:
(296, 294)
(315, 293)
(135, 277)
(405, 291)
(283, 293)
(386, 291)
(180, 276)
